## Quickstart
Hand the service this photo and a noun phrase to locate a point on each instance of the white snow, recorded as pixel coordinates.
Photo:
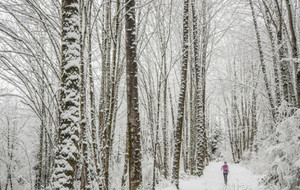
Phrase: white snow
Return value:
(239, 178)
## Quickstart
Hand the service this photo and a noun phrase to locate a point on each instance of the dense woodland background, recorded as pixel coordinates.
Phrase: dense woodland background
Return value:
(125, 94)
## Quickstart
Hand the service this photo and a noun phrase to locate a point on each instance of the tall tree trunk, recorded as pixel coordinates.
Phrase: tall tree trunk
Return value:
(192, 119)
(10, 157)
(298, 85)
(244, 115)
(230, 135)
(112, 94)
(85, 177)
(185, 146)
(274, 55)
(262, 62)
(294, 51)
(67, 154)
(133, 120)
(282, 53)
(172, 142)
(199, 96)
(180, 116)
(46, 168)
(202, 82)
(248, 123)
(155, 136)
(105, 92)
(39, 178)
(253, 123)
(126, 163)
(95, 145)
(165, 122)
(234, 116)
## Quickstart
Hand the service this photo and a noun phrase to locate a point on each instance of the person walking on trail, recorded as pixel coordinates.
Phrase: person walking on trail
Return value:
(225, 172)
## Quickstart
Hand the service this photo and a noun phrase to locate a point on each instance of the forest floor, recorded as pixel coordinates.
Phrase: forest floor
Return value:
(239, 178)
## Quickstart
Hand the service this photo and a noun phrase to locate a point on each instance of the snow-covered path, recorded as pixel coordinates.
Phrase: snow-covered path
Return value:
(239, 178)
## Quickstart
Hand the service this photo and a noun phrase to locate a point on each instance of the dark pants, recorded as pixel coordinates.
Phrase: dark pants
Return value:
(225, 177)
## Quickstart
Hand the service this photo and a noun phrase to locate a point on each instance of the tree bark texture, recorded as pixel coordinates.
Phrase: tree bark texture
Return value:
(133, 121)
(180, 116)
(199, 96)
(68, 132)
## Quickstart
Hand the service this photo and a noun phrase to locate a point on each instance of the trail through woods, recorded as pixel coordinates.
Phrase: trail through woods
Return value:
(239, 178)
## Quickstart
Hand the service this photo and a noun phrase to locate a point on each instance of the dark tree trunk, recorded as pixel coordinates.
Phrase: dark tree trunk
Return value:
(133, 121)
(68, 132)
(180, 116)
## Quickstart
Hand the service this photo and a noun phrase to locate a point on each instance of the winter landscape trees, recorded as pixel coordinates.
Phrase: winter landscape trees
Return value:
(129, 94)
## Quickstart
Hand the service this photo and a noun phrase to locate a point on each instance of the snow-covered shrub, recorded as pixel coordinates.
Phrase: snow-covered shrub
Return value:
(282, 151)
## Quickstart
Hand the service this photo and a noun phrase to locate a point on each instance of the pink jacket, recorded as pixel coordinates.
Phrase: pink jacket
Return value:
(225, 169)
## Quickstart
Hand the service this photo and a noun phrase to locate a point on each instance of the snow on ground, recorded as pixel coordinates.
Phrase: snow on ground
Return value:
(239, 178)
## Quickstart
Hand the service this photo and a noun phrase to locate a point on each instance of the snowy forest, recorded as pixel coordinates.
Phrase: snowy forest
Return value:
(149, 94)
